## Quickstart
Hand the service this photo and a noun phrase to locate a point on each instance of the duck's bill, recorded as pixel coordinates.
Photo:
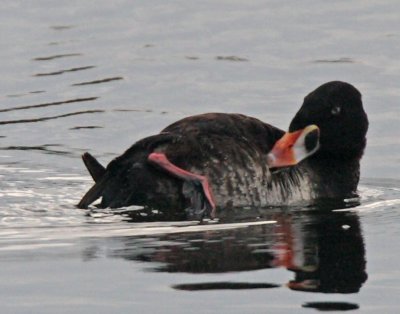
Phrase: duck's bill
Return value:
(294, 147)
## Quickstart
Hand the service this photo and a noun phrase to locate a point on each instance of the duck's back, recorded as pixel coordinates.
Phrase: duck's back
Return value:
(229, 149)
(233, 126)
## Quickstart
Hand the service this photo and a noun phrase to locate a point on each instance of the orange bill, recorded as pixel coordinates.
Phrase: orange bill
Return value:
(293, 147)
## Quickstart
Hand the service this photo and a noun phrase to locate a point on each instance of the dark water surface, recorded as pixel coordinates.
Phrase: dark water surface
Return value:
(97, 76)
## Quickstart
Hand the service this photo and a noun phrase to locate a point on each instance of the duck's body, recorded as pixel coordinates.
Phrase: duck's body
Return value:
(228, 151)
(195, 144)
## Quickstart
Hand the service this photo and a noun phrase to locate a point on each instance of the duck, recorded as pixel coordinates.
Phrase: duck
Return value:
(221, 161)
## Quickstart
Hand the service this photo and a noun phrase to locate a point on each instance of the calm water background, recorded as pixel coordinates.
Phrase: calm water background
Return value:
(98, 75)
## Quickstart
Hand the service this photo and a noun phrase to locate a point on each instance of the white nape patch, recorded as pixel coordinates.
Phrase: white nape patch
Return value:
(299, 148)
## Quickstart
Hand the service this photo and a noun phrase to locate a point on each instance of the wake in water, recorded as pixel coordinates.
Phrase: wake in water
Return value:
(37, 201)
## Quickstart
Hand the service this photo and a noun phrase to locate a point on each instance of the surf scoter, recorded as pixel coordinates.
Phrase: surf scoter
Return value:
(219, 160)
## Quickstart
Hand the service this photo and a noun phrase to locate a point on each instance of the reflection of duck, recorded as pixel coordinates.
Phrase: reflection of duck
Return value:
(324, 249)
(221, 160)
(330, 257)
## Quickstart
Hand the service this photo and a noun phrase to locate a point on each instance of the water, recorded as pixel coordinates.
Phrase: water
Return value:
(97, 76)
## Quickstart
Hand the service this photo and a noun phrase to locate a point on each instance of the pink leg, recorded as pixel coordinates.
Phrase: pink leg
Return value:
(162, 161)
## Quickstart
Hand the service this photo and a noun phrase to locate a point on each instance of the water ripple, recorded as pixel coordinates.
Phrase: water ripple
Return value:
(86, 127)
(50, 118)
(62, 27)
(57, 56)
(117, 78)
(339, 60)
(55, 103)
(44, 148)
(20, 95)
(66, 71)
(231, 58)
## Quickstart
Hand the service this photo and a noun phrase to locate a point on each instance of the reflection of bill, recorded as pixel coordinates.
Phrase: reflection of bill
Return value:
(324, 249)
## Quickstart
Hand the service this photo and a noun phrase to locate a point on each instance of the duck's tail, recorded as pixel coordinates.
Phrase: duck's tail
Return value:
(93, 194)
(97, 171)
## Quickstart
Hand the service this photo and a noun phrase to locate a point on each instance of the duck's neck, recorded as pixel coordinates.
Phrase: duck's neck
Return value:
(332, 177)
(290, 186)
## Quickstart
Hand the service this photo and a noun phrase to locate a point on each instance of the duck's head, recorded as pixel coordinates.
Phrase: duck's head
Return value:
(336, 110)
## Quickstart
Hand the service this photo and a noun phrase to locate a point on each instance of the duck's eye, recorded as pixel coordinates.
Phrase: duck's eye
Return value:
(336, 110)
